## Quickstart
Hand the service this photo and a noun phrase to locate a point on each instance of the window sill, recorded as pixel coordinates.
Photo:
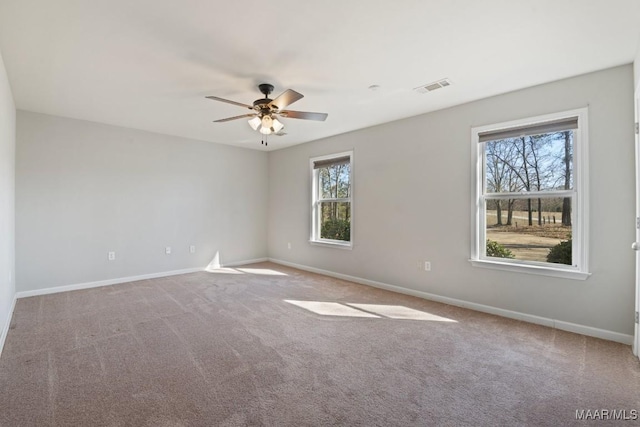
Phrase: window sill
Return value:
(531, 269)
(332, 244)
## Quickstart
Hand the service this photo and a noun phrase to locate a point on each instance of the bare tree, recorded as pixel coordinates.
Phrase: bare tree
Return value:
(523, 173)
(568, 155)
(540, 164)
(495, 176)
(500, 158)
(530, 163)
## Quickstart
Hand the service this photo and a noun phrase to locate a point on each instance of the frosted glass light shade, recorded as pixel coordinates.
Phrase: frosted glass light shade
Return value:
(277, 126)
(267, 121)
(255, 122)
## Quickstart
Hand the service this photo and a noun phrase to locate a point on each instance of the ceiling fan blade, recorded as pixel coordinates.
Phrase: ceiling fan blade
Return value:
(228, 119)
(239, 104)
(321, 117)
(287, 97)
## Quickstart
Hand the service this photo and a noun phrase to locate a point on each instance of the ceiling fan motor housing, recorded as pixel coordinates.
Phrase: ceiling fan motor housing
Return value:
(262, 104)
(265, 88)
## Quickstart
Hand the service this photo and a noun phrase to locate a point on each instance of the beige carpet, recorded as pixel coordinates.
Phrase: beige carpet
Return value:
(269, 345)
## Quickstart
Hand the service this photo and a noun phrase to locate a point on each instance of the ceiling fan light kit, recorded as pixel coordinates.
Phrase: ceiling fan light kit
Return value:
(268, 125)
(266, 111)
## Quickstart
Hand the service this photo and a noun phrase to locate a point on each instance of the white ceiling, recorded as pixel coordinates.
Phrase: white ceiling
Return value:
(148, 64)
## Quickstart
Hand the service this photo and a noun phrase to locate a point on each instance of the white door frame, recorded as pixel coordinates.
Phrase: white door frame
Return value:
(636, 335)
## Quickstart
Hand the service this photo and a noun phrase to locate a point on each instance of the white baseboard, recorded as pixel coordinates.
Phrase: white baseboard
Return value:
(7, 324)
(108, 282)
(552, 323)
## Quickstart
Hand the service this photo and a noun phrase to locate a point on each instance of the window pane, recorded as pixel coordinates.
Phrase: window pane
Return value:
(530, 163)
(529, 229)
(334, 182)
(335, 220)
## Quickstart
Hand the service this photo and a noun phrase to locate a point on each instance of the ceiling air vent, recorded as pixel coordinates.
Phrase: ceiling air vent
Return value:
(430, 87)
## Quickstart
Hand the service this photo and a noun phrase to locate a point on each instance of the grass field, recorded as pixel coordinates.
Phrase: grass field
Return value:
(531, 243)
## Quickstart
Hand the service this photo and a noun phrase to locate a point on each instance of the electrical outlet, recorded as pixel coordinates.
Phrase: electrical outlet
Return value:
(192, 249)
(167, 250)
(427, 266)
(289, 245)
(111, 256)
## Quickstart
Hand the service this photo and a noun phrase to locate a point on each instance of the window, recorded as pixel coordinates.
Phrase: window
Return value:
(332, 192)
(530, 195)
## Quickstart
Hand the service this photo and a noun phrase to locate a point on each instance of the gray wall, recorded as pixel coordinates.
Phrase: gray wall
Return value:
(7, 197)
(412, 201)
(83, 189)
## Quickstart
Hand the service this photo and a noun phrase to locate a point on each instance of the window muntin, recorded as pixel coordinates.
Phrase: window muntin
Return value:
(332, 195)
(531, 193)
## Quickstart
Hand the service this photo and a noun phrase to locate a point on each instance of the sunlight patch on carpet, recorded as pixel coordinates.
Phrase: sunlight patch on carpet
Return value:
(377, 311)
(262, 271)
(330, 308)
(400, 312)
(224, 270)
(257, 271)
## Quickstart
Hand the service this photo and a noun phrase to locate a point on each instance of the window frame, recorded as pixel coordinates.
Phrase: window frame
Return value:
(579, 200)
(315, 238)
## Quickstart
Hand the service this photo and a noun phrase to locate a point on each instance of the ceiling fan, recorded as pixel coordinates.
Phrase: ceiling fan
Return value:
(265, 112)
